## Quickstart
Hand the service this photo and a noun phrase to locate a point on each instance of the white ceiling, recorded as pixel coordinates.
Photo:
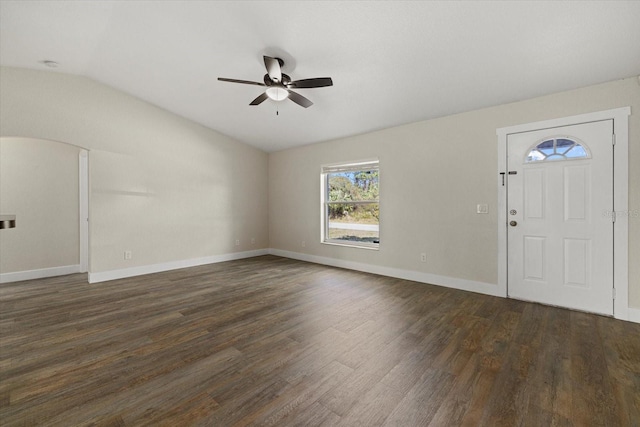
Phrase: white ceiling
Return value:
(392, 62)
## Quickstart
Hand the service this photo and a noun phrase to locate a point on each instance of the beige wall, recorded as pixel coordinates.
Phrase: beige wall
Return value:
(39, 184)
(168, 189)
(432, 176)
(160, 185)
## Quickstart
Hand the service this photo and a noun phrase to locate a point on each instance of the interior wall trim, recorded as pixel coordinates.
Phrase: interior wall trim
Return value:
(173, 265)
(40, 273)
(634, 315)
(416, 276)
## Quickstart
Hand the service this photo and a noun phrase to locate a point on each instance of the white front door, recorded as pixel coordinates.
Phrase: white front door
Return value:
(560, 227)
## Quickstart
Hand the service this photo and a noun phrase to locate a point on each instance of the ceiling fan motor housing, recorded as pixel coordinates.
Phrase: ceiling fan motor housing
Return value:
(285, 80)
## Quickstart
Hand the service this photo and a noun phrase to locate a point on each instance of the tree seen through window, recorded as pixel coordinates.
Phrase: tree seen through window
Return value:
(352, 206)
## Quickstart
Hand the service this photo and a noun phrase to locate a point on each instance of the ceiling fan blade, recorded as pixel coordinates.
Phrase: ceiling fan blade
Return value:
(299, 99)
(246, 82)
(311, 83)
(273, 68)
(260, 99)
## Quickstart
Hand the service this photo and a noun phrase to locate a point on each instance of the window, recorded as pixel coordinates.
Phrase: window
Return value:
(350, 204)
(557, 149)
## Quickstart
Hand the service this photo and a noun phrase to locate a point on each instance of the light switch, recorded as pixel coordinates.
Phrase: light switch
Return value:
(482, 208)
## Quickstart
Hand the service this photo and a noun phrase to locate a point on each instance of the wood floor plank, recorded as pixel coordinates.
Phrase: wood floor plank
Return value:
(420, 404)
(274, 341)
(289, 405)
(621, 354)
(588, 367)
(373, 408)
(466, 403)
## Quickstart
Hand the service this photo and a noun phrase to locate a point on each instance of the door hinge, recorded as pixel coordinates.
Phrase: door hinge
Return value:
(613, 216)
(613, 139)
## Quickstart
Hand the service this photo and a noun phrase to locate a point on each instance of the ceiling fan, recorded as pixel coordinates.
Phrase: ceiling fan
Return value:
(279, 85)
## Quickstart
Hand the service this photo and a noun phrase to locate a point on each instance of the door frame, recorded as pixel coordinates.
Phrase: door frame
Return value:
(620, 117)
(83, 187)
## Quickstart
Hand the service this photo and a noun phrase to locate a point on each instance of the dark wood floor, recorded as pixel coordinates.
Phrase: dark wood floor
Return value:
(276, 342)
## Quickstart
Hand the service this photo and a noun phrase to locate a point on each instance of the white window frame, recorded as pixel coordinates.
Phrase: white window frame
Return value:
(564, 158)
(372, 164)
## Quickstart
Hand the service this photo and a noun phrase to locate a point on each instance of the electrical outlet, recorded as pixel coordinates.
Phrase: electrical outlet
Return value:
(127, 255)
(423, 257)
(304, 244)
(253, 241)
(237, 242)
(482, 208)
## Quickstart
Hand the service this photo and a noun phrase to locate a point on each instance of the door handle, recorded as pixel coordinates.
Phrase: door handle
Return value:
(513, 223)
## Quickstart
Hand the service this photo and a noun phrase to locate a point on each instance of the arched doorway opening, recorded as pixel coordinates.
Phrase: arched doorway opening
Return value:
(45, 184)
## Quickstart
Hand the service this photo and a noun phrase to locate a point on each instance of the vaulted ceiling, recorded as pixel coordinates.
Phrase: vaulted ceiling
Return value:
(392, 62)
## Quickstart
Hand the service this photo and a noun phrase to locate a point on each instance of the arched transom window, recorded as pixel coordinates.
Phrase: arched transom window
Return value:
(561, 148)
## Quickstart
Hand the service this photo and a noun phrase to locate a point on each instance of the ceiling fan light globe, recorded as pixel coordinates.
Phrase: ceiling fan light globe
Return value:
(277, 93)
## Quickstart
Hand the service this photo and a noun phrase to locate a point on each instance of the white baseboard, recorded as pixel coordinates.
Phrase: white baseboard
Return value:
(633, 315)
(39, 274)
(416, 276)
(173, 265)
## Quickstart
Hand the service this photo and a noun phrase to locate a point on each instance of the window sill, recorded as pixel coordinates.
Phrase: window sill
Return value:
(369, 246)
